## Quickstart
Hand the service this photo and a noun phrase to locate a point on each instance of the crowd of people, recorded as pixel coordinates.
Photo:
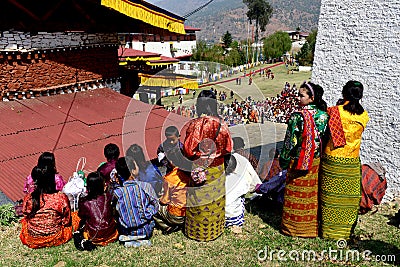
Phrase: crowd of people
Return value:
(198, 184)
(275, 109)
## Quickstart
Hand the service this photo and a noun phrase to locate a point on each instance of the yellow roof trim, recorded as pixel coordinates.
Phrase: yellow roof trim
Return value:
(146, 15)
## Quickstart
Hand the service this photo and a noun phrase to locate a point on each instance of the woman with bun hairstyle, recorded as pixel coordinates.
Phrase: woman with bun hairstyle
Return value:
(46, 160)
(340, 191)
(300, 156)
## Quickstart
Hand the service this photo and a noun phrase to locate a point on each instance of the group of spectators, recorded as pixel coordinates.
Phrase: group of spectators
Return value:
(126, 198)
(274, 109)
(206, 179)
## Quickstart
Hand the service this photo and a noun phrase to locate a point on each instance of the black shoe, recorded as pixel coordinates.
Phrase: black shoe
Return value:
(171, 229)
(394, 221)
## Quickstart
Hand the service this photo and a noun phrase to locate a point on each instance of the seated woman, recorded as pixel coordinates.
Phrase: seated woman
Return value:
(147, 171)
(95, 212)
(171, 215)
(47, 218)
(135, 209)
(46, 160)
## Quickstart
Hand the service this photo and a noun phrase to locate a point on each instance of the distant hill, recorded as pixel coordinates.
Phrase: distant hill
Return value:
(230, 15)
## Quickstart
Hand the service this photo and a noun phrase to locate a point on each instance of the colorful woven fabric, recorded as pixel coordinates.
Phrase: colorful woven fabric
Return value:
(300, 207)
(373, 187)
(336, 127)
(308, 145)
(60, 237)
(340, 196)
(294, 138)
(205, 212)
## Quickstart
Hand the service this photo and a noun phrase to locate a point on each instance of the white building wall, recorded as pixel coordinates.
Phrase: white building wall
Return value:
(359, 40)
(182, 47)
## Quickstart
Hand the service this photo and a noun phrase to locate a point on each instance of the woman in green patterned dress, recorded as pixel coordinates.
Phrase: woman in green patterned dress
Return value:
(300, 155)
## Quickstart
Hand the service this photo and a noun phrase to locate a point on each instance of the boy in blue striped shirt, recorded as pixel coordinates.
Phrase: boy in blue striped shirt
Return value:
(135, 206)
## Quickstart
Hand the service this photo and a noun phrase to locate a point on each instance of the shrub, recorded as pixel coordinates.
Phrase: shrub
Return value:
(7, 215)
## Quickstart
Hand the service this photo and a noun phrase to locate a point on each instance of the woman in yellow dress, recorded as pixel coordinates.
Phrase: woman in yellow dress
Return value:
(340, 191)
(206, 143)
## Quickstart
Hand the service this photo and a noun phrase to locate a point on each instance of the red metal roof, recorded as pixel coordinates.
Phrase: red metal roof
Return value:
(164, 59)
(189, 28)
(184, 56)
(97, 117)
(129, 52)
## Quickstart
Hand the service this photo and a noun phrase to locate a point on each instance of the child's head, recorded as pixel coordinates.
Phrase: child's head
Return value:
(122, 170)
(136, 153)
(111, 151)
(238, 143)
(132, 167)
(230, 163)
(172, 135)
(95, 184)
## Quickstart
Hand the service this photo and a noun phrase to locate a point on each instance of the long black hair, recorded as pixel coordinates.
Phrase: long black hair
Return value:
(316, 91)
(353, 92)
(95, 185)
(207, 103)
(45, 184)
(136, 152)
(47, 159)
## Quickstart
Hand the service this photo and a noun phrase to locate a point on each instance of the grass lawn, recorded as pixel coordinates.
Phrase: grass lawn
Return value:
(268, 87)
(260, 232)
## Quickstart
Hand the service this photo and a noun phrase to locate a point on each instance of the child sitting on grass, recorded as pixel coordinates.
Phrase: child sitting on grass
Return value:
(135, 209)
(95, 212)
(171, 216)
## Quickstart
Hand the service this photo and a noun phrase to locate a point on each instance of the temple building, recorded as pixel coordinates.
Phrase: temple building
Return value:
(53, 46)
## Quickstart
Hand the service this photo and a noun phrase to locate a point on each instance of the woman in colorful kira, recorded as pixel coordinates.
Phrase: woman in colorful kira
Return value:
(206, 143)
(47, 221)
(300, 155)
(341, 167)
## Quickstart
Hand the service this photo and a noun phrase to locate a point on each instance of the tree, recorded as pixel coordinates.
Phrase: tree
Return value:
(227, 39)
(199, 53)
(306, 54)
(260, 11)
(277, 44)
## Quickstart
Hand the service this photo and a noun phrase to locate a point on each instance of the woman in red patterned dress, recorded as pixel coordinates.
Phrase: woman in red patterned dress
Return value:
(47, 218)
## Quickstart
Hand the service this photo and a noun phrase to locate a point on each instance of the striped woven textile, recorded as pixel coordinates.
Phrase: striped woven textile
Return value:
(205, 212)
(300, 206)
(236, 220)
(340, 196)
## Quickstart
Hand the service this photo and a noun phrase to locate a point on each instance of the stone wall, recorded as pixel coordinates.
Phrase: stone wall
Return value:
(13, 40)
(358, 40)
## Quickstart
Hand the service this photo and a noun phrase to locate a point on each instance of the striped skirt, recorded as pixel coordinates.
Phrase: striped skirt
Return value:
(205, 212)
(300, 206)
(340, 196)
